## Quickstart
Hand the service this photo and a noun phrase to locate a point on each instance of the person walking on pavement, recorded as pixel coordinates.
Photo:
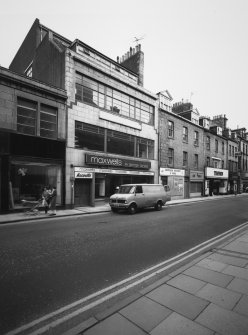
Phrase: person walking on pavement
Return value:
(53, 198)
(45, 198)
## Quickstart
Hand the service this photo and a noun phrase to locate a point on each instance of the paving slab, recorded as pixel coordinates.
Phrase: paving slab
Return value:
(212, 265)
(186, 283)
(237, 246)
(176, 324)
(242, 306)
(145, 313)
(219, 295)
(116, 324)
(239, 285)
(227, 259)
(223, 321)
(209, 276)
(178, 301)
(236, 271)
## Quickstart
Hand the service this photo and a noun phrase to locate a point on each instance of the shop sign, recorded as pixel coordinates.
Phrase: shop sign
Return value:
(83, 175)
(216, 173)
(171, 172)
(116, 162)
(111, 171)
(196, 175)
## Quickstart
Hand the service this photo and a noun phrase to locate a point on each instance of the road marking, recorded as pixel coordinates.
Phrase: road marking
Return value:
(157, 269)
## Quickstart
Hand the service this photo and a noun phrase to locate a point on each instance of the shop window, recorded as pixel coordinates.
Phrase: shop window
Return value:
(100, 187)
(27, 179)
(120, 143)
(26, 116)
(48, 121)
(89, 137)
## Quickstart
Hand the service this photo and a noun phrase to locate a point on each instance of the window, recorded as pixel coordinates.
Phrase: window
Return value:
(230, 150)
(185, 134)
(89, 136)
(91, 92)
(196, 138)
(29, 71)
(26, 116)
(171, 156)
(216, 146)
(145, 148)
(120, 143)
(48, 121)
(222, 164)
(196, 161)
(208, 161)
(185, 158)
(208, 143)
(170, 129)
(223, 148)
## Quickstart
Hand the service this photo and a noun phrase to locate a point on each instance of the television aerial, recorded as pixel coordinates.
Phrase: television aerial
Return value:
(137, 39)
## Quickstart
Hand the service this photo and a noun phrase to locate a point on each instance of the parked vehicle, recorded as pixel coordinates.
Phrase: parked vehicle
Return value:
(132, 197)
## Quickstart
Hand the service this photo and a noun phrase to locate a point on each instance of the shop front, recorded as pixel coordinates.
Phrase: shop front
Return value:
(196, 183)
(216, 181)
(175, 179)
(27, 166)
(97, 181)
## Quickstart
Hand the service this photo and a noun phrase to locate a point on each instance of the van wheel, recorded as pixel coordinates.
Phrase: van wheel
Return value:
(132, 209)
(114, 210)
(158, 206)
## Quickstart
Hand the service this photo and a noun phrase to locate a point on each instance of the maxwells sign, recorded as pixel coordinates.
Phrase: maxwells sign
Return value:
(116, 162)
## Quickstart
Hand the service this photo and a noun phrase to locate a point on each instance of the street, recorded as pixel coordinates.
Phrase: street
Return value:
(48, 264)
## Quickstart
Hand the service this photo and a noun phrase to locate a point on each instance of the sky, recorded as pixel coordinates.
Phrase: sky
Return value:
(195, 49)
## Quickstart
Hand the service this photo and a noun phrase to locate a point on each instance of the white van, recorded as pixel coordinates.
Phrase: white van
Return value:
(135, 196)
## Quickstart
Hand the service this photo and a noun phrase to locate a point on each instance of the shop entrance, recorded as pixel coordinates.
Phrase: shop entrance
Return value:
(82, 192)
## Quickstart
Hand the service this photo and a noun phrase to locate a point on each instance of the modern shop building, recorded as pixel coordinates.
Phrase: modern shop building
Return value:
(111, 118)
(32, 140)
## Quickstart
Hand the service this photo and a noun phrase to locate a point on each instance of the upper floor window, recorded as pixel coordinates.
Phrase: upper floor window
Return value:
(223, 148)
(26, 116)
(29, 71)
(48, 121)
(208, 142)
(185, 134)
(233, 151)
(185, 158)
(230, 150)
(196, 162)
(35, 119)
(171, 156)
(196, 138)
(208, 161)
(170, 129)
(91, 92)
(91, 137)
(216, 146)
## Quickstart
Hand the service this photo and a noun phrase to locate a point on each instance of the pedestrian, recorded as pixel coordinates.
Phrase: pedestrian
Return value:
(53, 198)
(45, 198)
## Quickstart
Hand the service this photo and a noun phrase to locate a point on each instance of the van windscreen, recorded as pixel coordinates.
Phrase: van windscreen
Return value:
(126, 189)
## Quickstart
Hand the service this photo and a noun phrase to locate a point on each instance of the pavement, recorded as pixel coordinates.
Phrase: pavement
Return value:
(206, 296)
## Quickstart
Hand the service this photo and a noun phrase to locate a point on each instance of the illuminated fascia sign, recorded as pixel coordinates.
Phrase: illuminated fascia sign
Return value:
(171, 172)
(83, 175)
(196, 175)
(216, 173)
(116, 162)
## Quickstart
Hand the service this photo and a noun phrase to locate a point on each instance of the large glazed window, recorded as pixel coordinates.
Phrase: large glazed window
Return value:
(89, 137)
(91, 92)
(26, 116)
(120, 143)
(48, 121)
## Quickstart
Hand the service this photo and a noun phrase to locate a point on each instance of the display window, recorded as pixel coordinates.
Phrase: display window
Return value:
(28, 178)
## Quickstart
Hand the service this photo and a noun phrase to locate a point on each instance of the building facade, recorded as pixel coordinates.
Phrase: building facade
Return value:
(111, 118)
(32, 140)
